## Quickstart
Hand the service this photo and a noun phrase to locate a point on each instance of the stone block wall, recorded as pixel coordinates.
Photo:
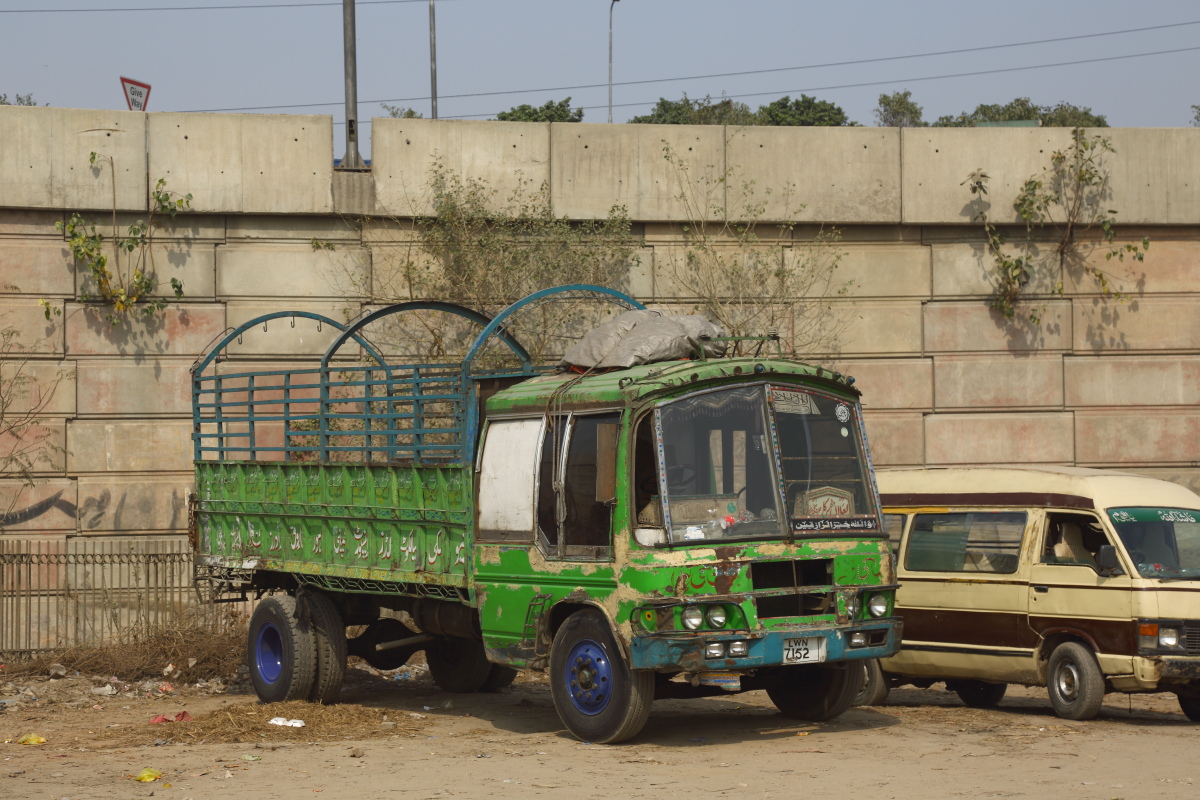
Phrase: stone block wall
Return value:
(945, 379)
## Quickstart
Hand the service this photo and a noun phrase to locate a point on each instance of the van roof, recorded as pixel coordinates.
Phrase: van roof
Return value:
(1052, 486)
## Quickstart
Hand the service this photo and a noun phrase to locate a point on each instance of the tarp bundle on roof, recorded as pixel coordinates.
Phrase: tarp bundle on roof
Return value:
(643, 337)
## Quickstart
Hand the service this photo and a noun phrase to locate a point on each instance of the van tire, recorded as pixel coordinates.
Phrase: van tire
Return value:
(875, 687)
(815, 693)
(1074, 682)
(329, 637)
(978, 694)
(458, 665)
(280, 651)
(1190, 707)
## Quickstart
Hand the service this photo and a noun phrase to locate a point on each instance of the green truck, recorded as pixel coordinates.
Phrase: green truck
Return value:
(677, 529)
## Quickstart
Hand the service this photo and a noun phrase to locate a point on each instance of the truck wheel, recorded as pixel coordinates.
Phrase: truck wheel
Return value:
(329, 635)
(597, 696)
(384, 629)
(280, 652)
(815, 693)
(875, 686)
(1074, 682)
(1191, 707)
(499, 677)
(978, 694)
(458, 665)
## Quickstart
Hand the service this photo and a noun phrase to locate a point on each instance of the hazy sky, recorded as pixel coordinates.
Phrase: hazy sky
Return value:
(494, 54)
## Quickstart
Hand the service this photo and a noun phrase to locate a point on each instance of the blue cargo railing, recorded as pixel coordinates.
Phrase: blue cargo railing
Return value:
(356, 406)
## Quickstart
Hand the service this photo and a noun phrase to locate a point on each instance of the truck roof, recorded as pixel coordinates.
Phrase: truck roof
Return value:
(626, 386)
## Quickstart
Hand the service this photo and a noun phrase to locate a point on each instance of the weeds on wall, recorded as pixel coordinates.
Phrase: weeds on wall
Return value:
(122, 273)
(749, 275)
(1072, 198)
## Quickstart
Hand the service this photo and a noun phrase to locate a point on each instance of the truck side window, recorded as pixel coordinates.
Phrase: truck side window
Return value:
(588, 520)
(547, 503)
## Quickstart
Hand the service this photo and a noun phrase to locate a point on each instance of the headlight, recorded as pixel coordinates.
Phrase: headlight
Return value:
(877, 605)
(714, 650)
(852, 606)
(739, 649)
(1168, 637)
(716, 616)
(693, 617)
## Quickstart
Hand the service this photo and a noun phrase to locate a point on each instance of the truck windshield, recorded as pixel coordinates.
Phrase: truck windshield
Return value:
(722, 454)
(1163, 542)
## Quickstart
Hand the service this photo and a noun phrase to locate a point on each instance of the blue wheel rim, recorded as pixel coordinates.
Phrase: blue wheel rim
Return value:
(268, 653)
(589, 677)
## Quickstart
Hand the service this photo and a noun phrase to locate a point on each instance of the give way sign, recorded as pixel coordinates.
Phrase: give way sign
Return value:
(137, 94)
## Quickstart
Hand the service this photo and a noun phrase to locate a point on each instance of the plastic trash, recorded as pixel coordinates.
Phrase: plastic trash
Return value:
(287, 723)
(107, 689)
(56, 671)
(147, 775)
(31, 738)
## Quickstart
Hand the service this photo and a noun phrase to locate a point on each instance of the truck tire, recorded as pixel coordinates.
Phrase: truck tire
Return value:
(499, 677)
(978, 694)
(329, 636)
(280, 651)
(597, 696)
(1074, 682)
(384, 629)
(458, 665)
(815, 693)
(875, 687)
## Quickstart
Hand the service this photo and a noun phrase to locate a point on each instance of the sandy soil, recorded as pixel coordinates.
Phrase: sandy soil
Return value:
(923, 743)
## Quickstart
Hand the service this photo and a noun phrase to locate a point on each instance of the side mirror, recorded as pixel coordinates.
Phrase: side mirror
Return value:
(1106, 560)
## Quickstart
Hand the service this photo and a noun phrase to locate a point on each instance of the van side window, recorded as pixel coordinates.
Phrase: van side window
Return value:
(1072, 539)
(974, 541)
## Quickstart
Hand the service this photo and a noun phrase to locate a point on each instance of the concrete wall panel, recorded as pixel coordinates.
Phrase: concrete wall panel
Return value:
(41, 445)
(286, 271)
(897, 438)
(963, 327)
(891, 383)
(110, 503)
(147, 388)
(879, 327)
(191, 262)
(830, 175)
(1132, 381)
(1142, 324)
(1148, 436)
(501, 156)
(1170, 266)
(50, 388)
(967, 269)
(29, 223)
(40, 269)
(998, 381)
(334, 230)
(598, 166)
(46, 506)
(1154, 175)
(280, 339)
(129, 446)
(250, 163)
(884, 270)
(35, 333)
(1004, 438)
(178, 330)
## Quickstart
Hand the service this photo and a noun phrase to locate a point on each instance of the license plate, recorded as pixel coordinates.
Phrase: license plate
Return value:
(802, 651)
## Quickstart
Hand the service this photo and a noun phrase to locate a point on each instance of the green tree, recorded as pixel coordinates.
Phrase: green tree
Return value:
(1196, 119)
(899, 110)
(698, 112)
(402, 112)
(1063, 115)
(804, 110)
(18, 100)
(552, 111)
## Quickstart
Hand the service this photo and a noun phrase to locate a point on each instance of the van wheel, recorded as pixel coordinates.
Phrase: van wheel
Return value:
(1074, 682)
(1191, 707)
(597, 696)
(978, 694)
(280, 652)
(458, 665)
(875, 685)
(329, 636)
(815, 693)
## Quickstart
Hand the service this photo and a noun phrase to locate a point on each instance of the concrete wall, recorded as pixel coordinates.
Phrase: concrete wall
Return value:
(945, 380)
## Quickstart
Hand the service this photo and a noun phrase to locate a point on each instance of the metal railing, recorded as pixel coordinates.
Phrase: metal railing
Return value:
(56, 594)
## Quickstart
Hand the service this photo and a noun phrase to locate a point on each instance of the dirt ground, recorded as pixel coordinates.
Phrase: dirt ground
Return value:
(401, 737)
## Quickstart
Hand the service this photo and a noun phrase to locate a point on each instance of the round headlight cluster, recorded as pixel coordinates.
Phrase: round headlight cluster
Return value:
(877, 605)
(693, 617)
(853, 603)
(716, 616)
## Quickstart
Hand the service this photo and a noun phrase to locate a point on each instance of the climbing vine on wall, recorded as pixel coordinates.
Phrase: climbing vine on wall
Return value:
(1072, 196)
(122, 272)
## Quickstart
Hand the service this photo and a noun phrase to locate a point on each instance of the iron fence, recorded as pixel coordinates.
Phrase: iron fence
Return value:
(82, 590)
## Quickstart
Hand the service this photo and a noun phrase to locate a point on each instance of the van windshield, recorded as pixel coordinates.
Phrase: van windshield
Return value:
(1163, 542)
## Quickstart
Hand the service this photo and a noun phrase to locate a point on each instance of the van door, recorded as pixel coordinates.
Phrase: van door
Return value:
(1067, 593)
(963, 596)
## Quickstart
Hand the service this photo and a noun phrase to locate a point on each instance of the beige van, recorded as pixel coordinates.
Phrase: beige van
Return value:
(1080, 580)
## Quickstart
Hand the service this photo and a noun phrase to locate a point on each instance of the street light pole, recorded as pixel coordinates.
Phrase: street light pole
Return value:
(352, 159)
(610, 15)
(433, 59)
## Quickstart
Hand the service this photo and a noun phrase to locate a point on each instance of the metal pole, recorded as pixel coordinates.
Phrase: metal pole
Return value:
(610, 15)
(433, 59)
(352, 159)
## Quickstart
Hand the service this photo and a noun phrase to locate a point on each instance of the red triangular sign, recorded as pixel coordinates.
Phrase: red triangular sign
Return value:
(137, 94)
